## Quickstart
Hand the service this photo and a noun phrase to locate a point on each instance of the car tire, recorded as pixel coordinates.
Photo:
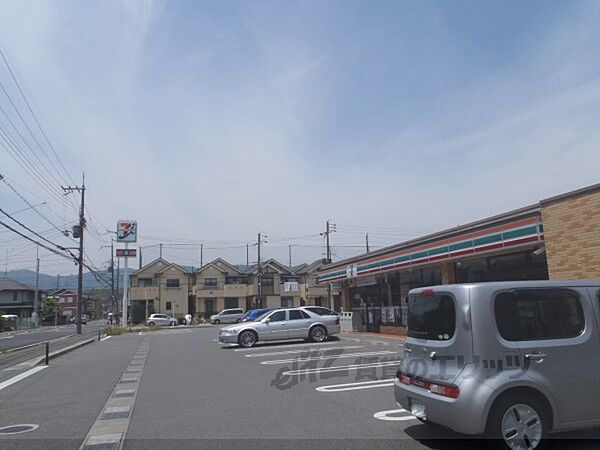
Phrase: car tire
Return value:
(529, 416)
(238, 320)
(151, 324)
(172, 324)
(217, 322)
(247, 338)
(317, 333)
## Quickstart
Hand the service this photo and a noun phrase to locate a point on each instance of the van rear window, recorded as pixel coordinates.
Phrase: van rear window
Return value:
(431, 317)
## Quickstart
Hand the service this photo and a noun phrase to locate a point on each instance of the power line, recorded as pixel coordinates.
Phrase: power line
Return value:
(39, 243)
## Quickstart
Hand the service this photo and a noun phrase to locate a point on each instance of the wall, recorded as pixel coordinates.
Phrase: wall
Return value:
(572, 235)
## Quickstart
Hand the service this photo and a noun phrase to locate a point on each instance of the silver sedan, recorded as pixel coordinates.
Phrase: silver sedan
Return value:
(281, 324)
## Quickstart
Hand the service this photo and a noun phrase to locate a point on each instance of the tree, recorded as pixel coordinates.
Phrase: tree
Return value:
(49, 307)
(137, 313)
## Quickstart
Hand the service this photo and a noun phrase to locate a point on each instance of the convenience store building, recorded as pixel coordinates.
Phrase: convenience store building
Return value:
(557, 238)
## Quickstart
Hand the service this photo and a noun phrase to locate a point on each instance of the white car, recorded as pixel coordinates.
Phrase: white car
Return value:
(161, 320)
(233, 315)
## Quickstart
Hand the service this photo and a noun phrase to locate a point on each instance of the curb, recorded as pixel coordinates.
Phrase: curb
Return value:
(62, 351)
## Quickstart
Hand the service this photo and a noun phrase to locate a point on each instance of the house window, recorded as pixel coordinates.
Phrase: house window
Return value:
(287, 302)
(232, 303)
(144, 282)
(173, 282)
(210, 282)
(169, 306)
(267, 280)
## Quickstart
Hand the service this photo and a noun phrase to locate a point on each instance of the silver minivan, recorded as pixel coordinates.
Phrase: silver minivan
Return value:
(512, 361)
(233, 315)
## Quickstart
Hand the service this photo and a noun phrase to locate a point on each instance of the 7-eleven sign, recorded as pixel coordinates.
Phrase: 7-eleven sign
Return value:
(126, 231)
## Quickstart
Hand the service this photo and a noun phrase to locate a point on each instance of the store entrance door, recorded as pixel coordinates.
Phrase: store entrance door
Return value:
(373, 315)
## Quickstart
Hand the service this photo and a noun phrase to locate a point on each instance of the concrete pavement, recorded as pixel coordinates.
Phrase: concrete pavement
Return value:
(193, 392)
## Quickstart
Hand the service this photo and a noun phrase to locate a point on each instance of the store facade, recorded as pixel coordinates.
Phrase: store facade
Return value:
(553, 238)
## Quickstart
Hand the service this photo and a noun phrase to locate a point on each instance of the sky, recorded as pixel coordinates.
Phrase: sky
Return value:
(211, 121)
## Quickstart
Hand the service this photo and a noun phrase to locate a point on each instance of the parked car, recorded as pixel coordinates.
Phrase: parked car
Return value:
(282, 324)
(254, 314)
(9, 322)
(161, 320)
(512, 361)
(233, 315)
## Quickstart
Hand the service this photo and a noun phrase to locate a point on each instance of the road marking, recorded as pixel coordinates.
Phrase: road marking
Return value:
(20, 377)
(7, 337)
(270, 346)
(302, 350)
(324, 357)
(356, 386)
(105, 338)
(342, 368)
(390, 415)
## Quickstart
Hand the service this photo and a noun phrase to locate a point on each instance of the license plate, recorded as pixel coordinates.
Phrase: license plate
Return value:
(417, 409)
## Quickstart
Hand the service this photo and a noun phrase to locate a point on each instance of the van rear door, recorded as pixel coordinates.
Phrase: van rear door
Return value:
(438, 344)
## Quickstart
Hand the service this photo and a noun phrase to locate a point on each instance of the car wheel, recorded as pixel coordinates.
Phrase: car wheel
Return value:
(150, 324)
(172, 324)
(318, 334)
(247, 338)
(238, 320)
(516, 422)
(217, 322)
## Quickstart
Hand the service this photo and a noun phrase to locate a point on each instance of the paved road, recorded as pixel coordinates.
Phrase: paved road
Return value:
(192, 392)
(19, 339)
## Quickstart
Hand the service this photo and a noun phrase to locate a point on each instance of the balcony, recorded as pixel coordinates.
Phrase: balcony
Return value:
(143, 293)
(238, 290)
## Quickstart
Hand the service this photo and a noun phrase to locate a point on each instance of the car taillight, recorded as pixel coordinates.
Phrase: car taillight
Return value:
(446, 390)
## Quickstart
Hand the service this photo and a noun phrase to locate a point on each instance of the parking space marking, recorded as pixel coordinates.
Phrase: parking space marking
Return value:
(271, 346)
(392, 415)
(342, 368)
(105, 338)
(356, 386)
(302, 350)
(20, 377)
(325, 357)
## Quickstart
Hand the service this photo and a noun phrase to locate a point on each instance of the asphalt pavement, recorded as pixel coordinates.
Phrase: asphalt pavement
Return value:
(27, 337)
(180, 388)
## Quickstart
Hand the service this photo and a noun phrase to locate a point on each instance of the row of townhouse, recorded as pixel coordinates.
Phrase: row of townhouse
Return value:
(164, 287)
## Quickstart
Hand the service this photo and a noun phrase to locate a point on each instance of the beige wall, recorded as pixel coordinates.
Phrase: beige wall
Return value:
(572, 235)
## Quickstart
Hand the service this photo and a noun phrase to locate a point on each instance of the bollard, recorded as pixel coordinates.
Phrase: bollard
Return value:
(47, 352)
(99, 331)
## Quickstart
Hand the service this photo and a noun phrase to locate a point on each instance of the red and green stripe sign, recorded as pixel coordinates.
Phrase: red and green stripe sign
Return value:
(509, 235)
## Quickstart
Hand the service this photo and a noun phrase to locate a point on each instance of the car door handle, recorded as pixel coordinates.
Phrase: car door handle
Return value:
(535, 356)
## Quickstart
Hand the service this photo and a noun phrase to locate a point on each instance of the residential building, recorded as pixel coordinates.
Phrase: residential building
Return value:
(162, 287)
(67, 302)
(556, 238)
(92, 308)
(279, 286)
(17, 298)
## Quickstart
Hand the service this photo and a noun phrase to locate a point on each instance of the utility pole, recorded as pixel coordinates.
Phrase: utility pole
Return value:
(36, 303)
(118, 275)
(80, 259)
(201, 255)
(112, 276)
(259, 300)
(57, 282)
(328, 247)
(367, 239)
(247, 255)
(328, 230)
(290, 254)
(140, 263)
(160, 250)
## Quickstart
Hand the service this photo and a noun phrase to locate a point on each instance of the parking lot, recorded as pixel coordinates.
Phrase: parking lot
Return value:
(186, 390)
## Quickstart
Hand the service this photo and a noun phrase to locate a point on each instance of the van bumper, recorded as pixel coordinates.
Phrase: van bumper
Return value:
(465, 414)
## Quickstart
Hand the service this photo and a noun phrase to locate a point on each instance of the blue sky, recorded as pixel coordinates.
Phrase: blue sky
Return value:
(212, 120)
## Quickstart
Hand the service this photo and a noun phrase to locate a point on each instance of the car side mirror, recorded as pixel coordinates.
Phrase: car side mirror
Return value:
(267, 320)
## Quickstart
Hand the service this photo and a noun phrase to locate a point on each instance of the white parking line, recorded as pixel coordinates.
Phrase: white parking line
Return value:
(324, 357)
(267, 347)
(105, 338)
(391, 416)
(341, 368)
(302, 350)
(356, 386)
(20, 377)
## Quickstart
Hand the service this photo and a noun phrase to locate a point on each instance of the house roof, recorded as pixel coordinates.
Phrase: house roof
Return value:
(177, 266)
(62, 291)
(270, 262)
(215, 264)
(8, 284)
(309, 268)
(164, 261)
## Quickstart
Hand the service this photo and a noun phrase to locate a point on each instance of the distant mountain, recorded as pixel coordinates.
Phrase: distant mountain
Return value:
(49, 282)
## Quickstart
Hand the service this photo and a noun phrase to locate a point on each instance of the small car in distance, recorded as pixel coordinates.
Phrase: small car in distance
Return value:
(73, 320)
(254, 314)
(282, 324)
(160, 320)
(233, 315)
